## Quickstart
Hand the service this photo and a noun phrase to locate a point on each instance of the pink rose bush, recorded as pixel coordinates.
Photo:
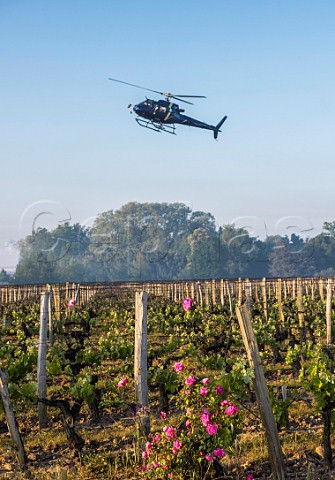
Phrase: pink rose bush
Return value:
(71, 303)
(189, 446)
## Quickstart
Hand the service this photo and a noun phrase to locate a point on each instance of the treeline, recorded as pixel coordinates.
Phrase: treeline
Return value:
(165, 241)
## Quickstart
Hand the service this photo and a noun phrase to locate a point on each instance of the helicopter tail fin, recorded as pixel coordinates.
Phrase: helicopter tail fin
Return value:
(217, 128)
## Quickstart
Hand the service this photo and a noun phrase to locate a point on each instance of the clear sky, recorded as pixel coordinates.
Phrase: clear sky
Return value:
(70, 147)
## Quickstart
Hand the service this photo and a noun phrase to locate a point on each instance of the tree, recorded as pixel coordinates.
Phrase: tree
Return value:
(202, 257)
(4, 276)
(141, 241)
(329, 229)
(54, 256)
(322, 253)
(289, 257)
(237, 249)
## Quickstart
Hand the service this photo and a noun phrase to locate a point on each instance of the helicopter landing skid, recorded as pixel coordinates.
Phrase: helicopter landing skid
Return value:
(157, 127)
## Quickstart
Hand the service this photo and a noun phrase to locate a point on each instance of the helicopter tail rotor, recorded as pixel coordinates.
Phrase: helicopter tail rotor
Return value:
(217, 128)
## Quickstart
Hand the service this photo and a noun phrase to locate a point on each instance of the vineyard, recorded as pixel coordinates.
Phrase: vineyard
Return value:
(165, 380)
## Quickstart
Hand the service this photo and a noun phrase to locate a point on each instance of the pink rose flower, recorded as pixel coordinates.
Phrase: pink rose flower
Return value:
(188, 424)
(224, 403)
(148, 447)
(203, 391)
(205, 419)
(71, 303)
(219, 452)
(249, 476)
(177, 444)
(205, 381)
(212, 429)
(163, 414)
(178, 367)
(170, 432)
(122, 383)
(145, 455)
(209, 458)
(190, 381)
(219, 390)
(231, 410)
(187, 304)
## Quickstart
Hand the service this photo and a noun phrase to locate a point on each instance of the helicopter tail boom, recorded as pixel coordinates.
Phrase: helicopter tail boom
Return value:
(217, 128)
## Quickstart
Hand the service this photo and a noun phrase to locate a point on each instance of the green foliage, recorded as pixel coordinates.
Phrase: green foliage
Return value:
(299, 353)
(165, 377)
(24, 360)
(83, 388)
(55, 360)
(280, 408)
(318, 376)
(116, 346)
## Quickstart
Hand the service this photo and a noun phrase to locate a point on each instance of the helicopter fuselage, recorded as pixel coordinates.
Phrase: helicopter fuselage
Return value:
(165, 112)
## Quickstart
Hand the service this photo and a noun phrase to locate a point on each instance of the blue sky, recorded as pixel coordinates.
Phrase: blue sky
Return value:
(69, 146)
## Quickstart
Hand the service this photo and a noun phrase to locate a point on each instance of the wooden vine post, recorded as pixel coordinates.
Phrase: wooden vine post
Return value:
(213, 292)
(221, 292)
(50, 324)
(206, 294)
(230, 298)
(200, 293)
(329, 312)
(56, 301)
(42, 355)
(192, 290)
(240, 292)
(11, 422)
(279, 301)
(265, 299)
(262, 394)
(301, 312)
(248, 294)
(321, 289)
(141, 361)
(77, 296)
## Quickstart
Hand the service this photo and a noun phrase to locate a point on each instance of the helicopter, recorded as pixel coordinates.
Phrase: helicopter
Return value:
(163, 115)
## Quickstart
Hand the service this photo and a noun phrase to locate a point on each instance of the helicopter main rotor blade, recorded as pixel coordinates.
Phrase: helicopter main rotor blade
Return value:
(166, 95)
(137, 86)
(178, 97)
(187, 96)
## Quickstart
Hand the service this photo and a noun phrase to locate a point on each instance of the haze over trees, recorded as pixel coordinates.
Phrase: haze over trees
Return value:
(166, 241)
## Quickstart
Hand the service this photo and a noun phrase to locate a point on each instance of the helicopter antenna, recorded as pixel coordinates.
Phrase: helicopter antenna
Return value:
(166, 95)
